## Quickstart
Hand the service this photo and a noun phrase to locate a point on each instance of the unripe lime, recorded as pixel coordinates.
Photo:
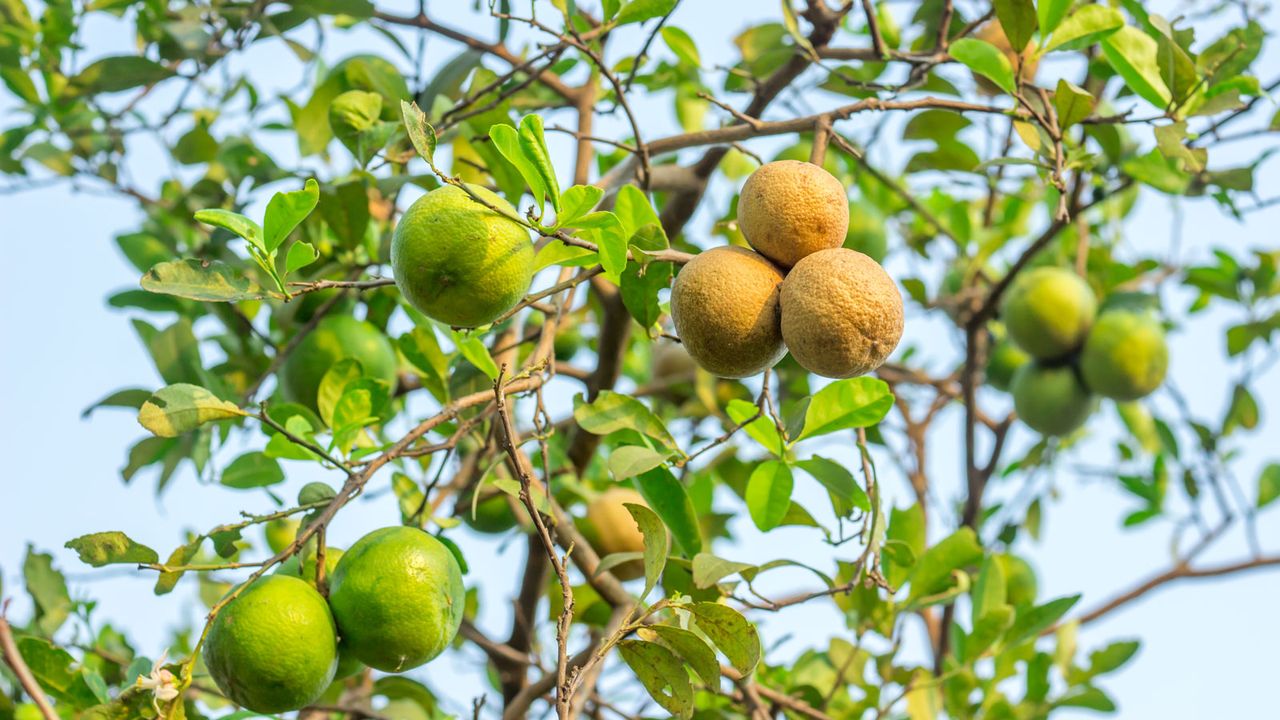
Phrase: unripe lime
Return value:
(1004, 359)
(494, 513)
(1125, 356)
(273, 648)
(280, 533)
(1048, 311)
(398, 597)
(458, 261)
(335, 338)
(1051, 400)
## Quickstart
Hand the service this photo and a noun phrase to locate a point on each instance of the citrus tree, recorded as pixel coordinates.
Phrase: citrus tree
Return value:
(495, 299)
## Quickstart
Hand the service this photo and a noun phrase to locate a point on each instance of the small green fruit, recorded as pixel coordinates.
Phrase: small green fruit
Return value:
(1049, 311)
(1125, 357)
(335, 338)
(1019, 580)
(1051, 400)
(1004, 359)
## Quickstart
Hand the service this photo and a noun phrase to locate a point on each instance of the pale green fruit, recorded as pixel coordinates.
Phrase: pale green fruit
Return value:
(1051, 400)
(1048, 312)
(1125, 356)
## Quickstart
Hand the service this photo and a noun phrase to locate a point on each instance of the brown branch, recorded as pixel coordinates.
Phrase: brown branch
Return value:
(782, 700)
(14, 660)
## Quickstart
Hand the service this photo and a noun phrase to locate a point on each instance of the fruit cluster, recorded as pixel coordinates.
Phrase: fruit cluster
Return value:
(1074, 352)
(738, 311)
(395, 602)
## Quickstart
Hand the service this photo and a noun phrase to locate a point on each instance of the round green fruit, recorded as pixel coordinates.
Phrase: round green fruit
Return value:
(280, 533)
(1048, 312)
(459, 262)
(397, 596)
(1050, 400)
(494, 513)
(273, 648)
(303, 566)
(335, 338)
(1125, 356)
(1004, 359)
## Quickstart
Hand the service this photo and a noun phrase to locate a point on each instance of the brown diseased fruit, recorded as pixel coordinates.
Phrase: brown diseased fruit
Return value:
(841, 313)
(789, 209)
(725, 306)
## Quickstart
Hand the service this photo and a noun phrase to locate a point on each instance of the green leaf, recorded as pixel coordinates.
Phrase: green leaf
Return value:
(1268, 485)
(768, 493)
(641, 284)
(203, 280)
(853, 403)
(1072, 103)
(661, 673)
(932, 573)
(345, 208)
(1049, 13)
(731, 632)
(127, 398)
(1090, 697)
(656, 543)
(534, 146)
(508, 143)
(575, 203)
(1086, 26)
(113, 74)
(252, 470)
(904, 542)
(611, 412)
(634, 211)
(667, 497)
(989, 591)
(111, 548)
(420, 132)
(180, 408)
(48, 590)
(1019, 21)
(985, 59)
(234, 222)
(1132, 54)
(333, 384)
(354, 117)
(762, 429)
(285, 211)
(1112, 657)
(301, 254)
(1032, 620)
(709, 569)
(640, 10)
(477, 353)
(631, 460)
(558, 253)
(845, 494)
(683, 46)
(691, 648)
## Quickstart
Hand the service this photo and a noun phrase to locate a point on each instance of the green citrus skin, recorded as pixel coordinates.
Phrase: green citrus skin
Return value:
(494, 513)
(1125, 357)
(1048, 312)
(459, 262)
(1004, 359)
(1050, 400)
(303, 566)
(280, 533)
(397, 596)
(335, 338)
(274, 648)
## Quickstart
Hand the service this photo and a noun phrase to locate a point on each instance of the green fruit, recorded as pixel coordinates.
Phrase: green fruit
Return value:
(280, 533)
(1004, 359)
(335, 338)
(1125, 357)
(1051, 400)
(398, 597)
(866, 231)
(494, 513)
(1049, 311)
(1019, 580)
(303, 566)
(273, 648)
(459, 262)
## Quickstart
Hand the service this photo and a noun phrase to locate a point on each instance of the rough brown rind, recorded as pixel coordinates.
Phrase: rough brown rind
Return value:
(725, 306)
(841, 313)
(789, 209)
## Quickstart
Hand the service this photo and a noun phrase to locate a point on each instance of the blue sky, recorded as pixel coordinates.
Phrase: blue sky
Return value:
(1207, 646)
